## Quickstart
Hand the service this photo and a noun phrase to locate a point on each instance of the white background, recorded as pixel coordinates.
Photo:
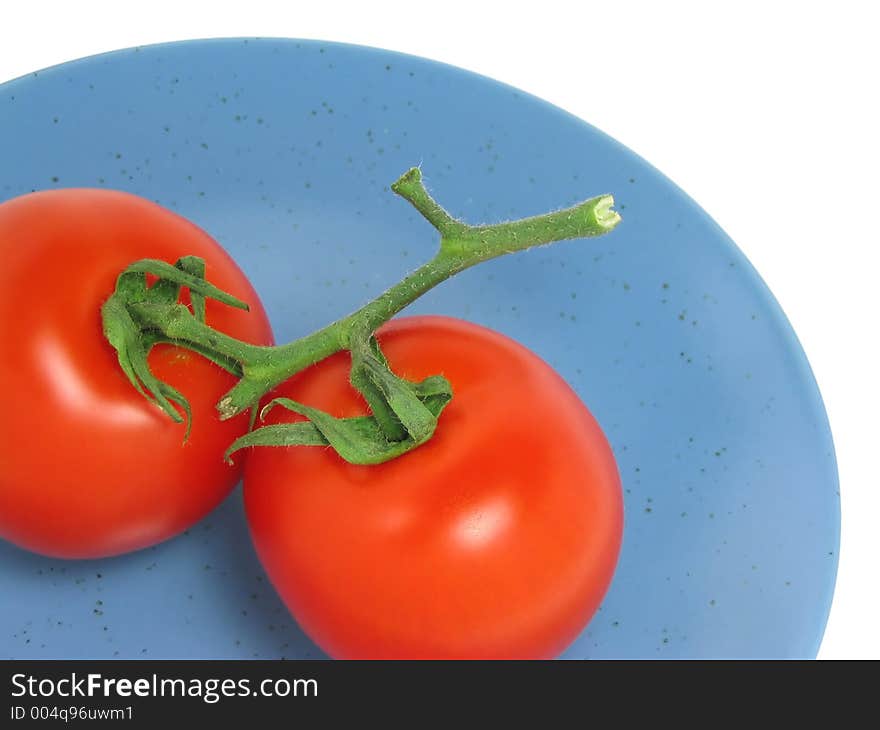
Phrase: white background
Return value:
(764, 112)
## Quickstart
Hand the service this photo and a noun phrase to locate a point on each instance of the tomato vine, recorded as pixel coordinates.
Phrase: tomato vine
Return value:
(403, 414)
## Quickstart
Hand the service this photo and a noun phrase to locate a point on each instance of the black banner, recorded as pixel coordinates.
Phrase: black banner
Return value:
(147, 693)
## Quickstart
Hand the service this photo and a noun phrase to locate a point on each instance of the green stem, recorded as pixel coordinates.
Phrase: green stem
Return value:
(272, 366)
(461, 246)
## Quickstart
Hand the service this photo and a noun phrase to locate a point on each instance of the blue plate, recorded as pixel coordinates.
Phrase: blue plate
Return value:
(284, 151)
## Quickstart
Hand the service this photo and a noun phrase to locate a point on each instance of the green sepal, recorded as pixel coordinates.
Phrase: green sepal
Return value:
(196, 284)
(122, 333)
(394, 401)
(166, 291)
(359, 439)
(363, 359)
(133, 340)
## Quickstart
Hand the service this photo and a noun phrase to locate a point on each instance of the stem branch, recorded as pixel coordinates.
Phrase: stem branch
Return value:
(264, 368)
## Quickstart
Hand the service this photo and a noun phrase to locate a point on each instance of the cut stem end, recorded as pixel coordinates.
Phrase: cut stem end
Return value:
(606, 217)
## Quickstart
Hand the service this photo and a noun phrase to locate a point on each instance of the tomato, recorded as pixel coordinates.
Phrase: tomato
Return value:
(496, 539)
(88, 467)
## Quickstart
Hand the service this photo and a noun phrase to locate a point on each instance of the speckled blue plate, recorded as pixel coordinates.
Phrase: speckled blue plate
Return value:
(283, 150)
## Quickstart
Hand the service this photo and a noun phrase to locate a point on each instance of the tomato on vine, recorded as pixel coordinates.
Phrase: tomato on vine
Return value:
(495, 539)
(88, 467)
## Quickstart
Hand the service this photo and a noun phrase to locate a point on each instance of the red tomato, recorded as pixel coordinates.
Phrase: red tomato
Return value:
(88, 467)
(496, 539)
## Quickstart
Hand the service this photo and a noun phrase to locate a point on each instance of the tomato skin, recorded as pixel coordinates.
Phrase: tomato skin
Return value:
(496, 539)
(89, 468)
